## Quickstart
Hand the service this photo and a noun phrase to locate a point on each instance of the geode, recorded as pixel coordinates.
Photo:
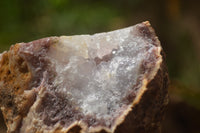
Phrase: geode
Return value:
(114, 82)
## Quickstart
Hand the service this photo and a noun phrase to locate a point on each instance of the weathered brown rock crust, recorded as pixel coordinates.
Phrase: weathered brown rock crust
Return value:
(23, 91)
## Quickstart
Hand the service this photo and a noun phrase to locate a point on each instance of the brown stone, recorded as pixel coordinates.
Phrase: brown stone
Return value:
(108, 82)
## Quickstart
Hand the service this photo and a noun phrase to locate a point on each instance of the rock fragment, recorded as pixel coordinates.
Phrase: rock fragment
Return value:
(106, 82)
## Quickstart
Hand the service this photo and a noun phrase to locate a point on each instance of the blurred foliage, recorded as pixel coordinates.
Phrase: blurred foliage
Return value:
(176, 23)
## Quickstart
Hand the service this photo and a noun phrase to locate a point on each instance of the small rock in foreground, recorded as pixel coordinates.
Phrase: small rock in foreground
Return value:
(113, 82)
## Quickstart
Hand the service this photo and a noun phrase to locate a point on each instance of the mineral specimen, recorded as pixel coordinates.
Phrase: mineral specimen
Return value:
(106, 82)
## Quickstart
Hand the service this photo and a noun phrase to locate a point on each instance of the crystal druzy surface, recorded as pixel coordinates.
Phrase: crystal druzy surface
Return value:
(92, 80)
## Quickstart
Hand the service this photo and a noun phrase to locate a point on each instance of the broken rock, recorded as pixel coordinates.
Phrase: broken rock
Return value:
(106, 82)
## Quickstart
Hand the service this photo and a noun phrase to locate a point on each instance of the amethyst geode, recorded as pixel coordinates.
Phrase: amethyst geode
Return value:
(106, 82)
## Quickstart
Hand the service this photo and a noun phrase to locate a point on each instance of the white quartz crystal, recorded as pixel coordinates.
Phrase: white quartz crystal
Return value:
(99, 87)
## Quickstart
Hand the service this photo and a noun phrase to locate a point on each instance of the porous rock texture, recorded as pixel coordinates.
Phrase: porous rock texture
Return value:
(114, 82)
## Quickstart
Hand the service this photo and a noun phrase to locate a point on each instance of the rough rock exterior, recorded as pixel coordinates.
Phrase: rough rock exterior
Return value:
(107, 82)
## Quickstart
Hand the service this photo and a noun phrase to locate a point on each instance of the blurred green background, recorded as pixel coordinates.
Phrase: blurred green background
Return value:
(177, 24)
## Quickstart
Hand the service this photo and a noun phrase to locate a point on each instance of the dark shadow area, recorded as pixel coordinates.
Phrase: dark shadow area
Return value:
(2, 124)
(181, 118)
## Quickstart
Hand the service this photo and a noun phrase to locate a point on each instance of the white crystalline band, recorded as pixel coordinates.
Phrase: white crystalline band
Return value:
(99, 89)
